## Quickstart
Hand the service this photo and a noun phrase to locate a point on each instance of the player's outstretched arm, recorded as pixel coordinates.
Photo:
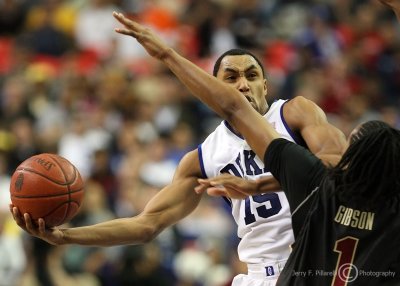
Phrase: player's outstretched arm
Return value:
(171, 204)
(228, 102)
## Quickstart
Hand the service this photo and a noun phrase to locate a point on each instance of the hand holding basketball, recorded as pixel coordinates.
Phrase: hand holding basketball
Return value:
(47, 186)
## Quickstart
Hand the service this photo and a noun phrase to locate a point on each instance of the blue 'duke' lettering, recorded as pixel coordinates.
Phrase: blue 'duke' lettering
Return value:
(269, 204)
(251, 166)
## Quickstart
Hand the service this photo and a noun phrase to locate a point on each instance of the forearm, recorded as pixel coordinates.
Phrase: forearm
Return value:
(200, 83)
(114, 232)
(267, 184)
(170, 205)
(204, 86)
(224, 99)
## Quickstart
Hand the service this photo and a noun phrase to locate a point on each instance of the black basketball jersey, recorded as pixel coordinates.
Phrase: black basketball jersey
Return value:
(336, 244)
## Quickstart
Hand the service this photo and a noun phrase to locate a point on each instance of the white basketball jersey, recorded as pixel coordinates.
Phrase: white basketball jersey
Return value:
(264, 221)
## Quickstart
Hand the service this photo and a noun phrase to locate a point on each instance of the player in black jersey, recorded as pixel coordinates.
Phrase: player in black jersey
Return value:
(351, 231)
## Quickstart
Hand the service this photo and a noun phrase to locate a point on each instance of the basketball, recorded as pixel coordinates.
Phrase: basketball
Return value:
(47, 186)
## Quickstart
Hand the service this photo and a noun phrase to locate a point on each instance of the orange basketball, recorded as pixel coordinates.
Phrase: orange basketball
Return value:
(47, 186)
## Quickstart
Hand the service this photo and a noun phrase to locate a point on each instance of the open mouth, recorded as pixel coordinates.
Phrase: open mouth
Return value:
(249, 99)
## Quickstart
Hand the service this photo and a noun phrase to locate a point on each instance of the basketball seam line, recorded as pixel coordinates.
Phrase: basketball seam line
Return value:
(47, 195)
(68, 186)
(48, 178)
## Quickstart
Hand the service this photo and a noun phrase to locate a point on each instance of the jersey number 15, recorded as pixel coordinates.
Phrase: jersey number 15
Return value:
(266, 205)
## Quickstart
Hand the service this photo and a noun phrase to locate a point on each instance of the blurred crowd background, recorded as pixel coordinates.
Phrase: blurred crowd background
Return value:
(70, 85)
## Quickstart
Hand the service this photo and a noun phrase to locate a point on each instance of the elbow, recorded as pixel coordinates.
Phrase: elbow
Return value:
(149, 233)
(147, 227)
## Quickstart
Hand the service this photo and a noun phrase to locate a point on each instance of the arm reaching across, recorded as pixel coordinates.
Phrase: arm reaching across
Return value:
(225, 100)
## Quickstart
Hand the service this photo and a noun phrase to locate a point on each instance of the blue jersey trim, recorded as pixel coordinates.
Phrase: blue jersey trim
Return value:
(297, 140)
(232, 130)
(203, 171)
(200, 154)
(228, 201)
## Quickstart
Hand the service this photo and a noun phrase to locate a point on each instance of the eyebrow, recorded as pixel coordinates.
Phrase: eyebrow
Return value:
(235, 71)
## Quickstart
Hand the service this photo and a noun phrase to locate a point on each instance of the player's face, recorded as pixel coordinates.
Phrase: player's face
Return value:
(245, 74)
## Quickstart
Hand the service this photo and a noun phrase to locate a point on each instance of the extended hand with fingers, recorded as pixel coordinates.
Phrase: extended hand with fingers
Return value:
(150, 41)
(235, 187)
(53, 236)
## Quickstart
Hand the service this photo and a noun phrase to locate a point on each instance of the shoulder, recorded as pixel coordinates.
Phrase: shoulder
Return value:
(301, 111)
(191, 158)
(189, 165)
(300, 103)
(276, 106)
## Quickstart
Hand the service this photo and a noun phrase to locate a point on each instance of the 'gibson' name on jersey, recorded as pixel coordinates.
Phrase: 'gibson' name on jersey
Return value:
(354, 218)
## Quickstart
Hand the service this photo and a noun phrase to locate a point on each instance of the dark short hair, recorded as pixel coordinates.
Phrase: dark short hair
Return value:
(236, 52)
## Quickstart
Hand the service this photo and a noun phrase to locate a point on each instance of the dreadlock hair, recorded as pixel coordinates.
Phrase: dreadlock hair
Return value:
(235, 52)
(367, 127)
(367, 176)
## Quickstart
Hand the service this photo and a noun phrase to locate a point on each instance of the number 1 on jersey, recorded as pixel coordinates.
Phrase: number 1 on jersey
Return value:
(346, 247)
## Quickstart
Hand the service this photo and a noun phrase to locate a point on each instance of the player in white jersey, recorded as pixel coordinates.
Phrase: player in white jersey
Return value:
(264, 221)
(243, 71)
